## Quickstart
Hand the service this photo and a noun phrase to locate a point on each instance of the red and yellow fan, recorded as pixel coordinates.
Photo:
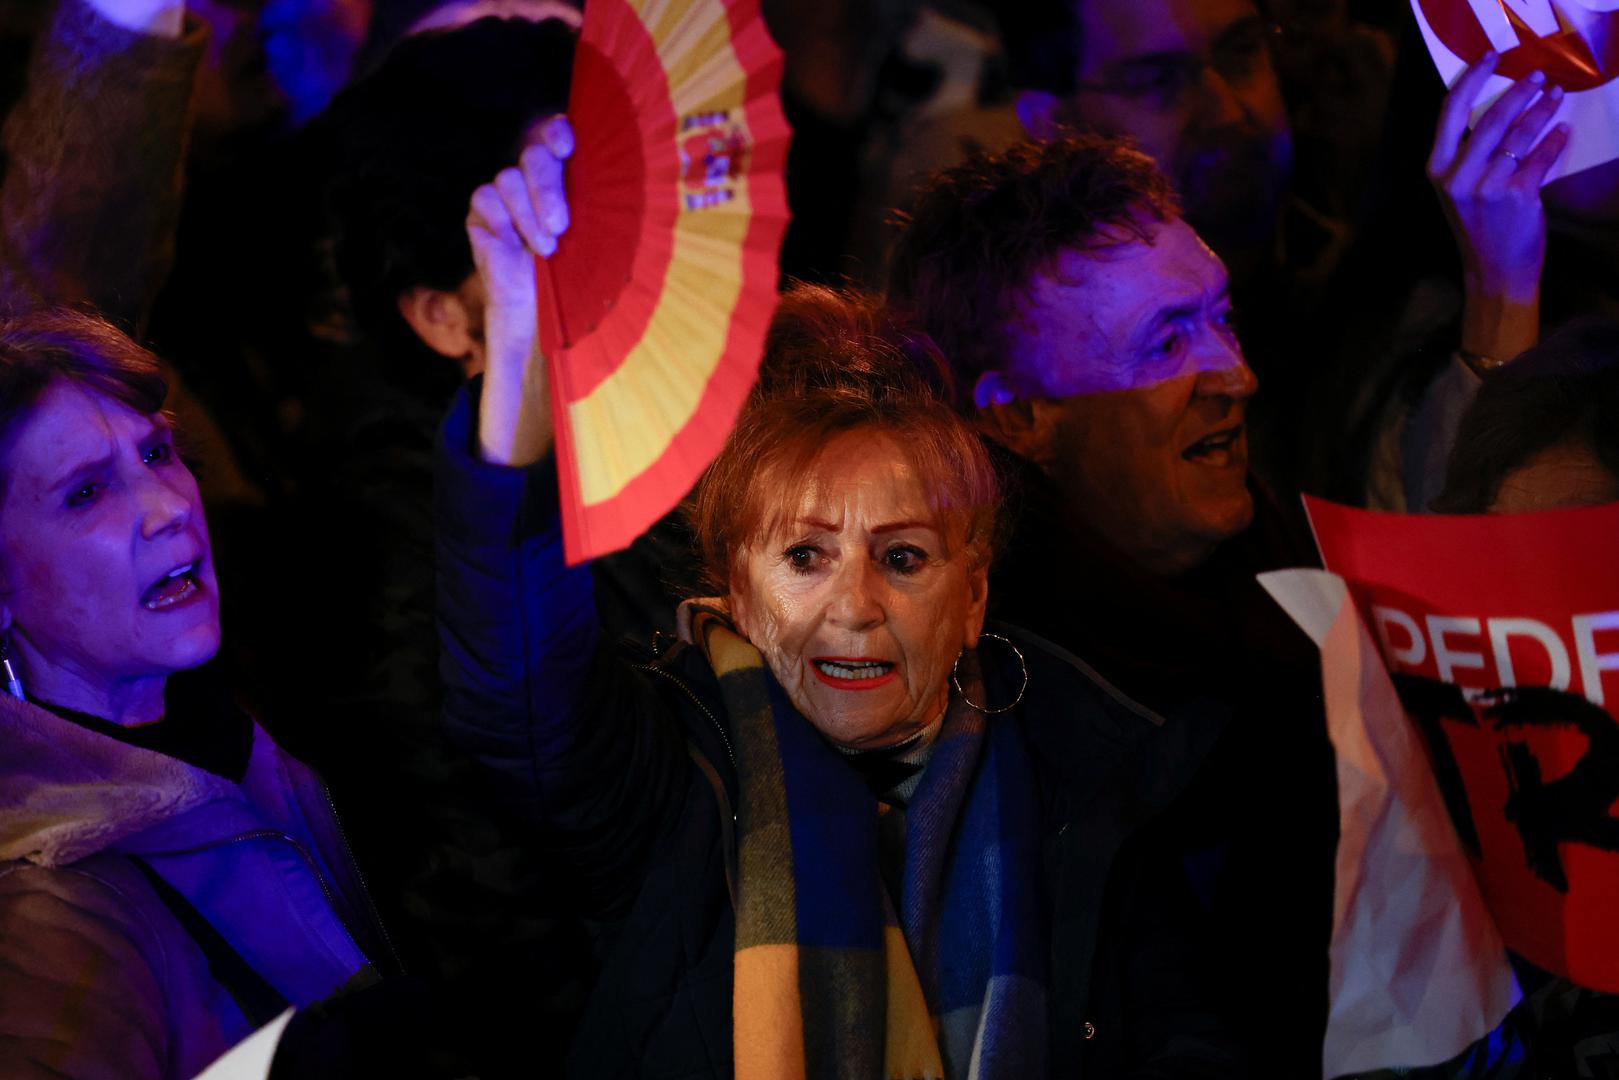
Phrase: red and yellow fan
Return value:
(654, 308)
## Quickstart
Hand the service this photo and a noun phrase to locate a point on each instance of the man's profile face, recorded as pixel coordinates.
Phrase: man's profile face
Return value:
(1138, 389)
(1192, 81)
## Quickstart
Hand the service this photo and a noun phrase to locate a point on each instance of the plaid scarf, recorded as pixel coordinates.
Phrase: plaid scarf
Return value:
(833, 979)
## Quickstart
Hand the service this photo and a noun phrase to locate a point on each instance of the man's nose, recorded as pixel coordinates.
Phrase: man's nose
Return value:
(1223, 372)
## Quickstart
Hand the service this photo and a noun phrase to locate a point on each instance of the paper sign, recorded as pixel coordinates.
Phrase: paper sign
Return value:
(1502, 637)
(1574, 42)
(251, 1058)
(1418, 970)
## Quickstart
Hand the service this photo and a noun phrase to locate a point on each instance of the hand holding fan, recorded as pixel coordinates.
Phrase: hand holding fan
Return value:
(654, 308)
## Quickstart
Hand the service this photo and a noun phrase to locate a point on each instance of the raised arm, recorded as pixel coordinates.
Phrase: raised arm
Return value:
(1489, 180)
(585, 748)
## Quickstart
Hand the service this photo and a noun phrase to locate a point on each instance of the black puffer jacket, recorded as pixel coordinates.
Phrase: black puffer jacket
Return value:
(624, 762)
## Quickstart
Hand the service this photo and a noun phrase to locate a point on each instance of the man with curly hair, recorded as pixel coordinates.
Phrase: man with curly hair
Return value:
(1089, 332)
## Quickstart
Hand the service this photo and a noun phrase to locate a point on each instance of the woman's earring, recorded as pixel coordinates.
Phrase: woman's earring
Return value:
(13, 684)
(1023, 664)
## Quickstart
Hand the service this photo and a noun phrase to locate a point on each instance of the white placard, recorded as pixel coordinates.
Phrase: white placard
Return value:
(251, 1058)
(1419, 972)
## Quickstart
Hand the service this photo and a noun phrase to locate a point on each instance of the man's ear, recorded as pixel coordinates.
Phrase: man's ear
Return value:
(1040, 113)
(1014, 421)
(441, 319)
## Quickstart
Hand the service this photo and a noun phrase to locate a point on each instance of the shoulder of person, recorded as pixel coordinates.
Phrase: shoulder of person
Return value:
(84, 969)
(1086, 732)
(682, 677)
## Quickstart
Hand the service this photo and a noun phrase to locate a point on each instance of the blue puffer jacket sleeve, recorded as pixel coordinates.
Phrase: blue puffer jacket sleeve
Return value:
(584, 746)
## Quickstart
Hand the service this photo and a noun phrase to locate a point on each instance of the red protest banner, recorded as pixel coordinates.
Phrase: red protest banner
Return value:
(1502, 636)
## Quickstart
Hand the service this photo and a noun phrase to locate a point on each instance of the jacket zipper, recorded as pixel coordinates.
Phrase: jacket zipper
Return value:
(303, 853)
(359, 876)
(695, 700)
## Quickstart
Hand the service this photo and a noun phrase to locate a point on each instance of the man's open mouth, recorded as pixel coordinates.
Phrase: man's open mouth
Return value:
(1215, 449)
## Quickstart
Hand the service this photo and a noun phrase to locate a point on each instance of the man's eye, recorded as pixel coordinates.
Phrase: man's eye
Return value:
(1168, 345)
(907, 560)
(1159, 82)
(160, 454)
(1240, 55)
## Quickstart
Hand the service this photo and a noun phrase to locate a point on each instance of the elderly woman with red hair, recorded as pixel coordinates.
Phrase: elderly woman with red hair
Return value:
(837, 828)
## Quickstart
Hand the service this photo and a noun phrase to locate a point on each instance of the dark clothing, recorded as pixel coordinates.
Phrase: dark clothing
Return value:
(466, 894)
(200, 726)
(1256, 828)
(623, 762)
(126, 879)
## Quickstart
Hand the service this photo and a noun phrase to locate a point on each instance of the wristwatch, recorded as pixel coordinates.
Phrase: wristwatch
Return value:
(1480, 364)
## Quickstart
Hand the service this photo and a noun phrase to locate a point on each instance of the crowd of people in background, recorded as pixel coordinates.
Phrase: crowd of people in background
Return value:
(305, 707)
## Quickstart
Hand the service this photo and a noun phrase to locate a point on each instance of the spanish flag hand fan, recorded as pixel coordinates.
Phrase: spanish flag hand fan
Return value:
(654, 308)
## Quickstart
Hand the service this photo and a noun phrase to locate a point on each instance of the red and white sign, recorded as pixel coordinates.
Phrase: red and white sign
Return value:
(1470, 667)
(1502, 635)
(1574, 42)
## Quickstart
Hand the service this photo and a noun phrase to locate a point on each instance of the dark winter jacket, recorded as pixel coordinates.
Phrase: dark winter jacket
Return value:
(1257, 827)
(153, 913)
(624, 761)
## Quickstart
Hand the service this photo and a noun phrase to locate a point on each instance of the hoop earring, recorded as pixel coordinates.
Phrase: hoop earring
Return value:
(13, 684)
(1022, 664)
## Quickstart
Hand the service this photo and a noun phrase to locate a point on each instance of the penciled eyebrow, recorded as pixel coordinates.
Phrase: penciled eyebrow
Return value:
(886, 527)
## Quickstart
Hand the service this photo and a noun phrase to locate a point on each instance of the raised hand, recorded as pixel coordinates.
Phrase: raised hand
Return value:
(1489, 184)
(516, 216)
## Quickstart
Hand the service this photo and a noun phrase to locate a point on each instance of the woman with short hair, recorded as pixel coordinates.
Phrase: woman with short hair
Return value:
(169, 878)
(837, 829)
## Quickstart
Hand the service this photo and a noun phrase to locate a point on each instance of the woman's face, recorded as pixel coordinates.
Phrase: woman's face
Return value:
(106, 580)
(862, 600)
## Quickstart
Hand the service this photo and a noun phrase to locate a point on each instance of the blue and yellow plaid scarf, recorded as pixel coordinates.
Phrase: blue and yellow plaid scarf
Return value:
(830, 981)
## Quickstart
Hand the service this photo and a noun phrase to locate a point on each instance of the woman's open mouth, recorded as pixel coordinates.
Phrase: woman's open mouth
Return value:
(173, 588)
(853, 673)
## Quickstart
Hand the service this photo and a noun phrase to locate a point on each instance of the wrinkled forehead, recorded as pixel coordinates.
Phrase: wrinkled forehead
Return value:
(857, 482)
(67, 426)
(1117, 30)
(1095, 305)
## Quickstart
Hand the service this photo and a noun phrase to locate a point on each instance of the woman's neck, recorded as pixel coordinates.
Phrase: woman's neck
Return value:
(127, 702)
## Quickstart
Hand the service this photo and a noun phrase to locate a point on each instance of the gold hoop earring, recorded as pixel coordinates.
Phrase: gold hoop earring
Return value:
(1022, 664)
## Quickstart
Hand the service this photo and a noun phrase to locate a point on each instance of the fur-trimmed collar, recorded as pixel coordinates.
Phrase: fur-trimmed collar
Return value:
(67, 792)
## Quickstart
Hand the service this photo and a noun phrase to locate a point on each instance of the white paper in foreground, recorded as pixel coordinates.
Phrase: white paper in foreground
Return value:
(251, 1058)
(1593, 114)
(1418, 969)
